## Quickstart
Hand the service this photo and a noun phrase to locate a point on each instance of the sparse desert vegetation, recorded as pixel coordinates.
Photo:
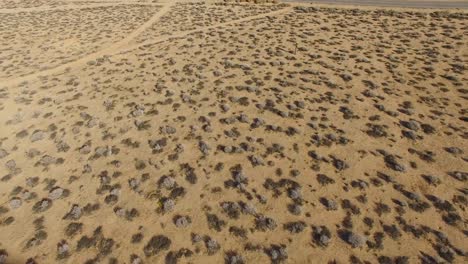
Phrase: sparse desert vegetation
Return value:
(36, 41)
(213, 132)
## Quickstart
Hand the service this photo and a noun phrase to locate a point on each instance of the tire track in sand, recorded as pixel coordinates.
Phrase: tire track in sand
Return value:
(106, 51)
(118, 47)
(65, 7)
(179, 34)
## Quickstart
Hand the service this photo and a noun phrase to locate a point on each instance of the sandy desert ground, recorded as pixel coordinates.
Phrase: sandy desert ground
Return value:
(433, 4)
(211, 132)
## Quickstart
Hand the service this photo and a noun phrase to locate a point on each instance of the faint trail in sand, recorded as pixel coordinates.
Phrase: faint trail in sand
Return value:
(68, 7)
(52, 8)
(106, 51)
(119, 46)
(201, 29)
